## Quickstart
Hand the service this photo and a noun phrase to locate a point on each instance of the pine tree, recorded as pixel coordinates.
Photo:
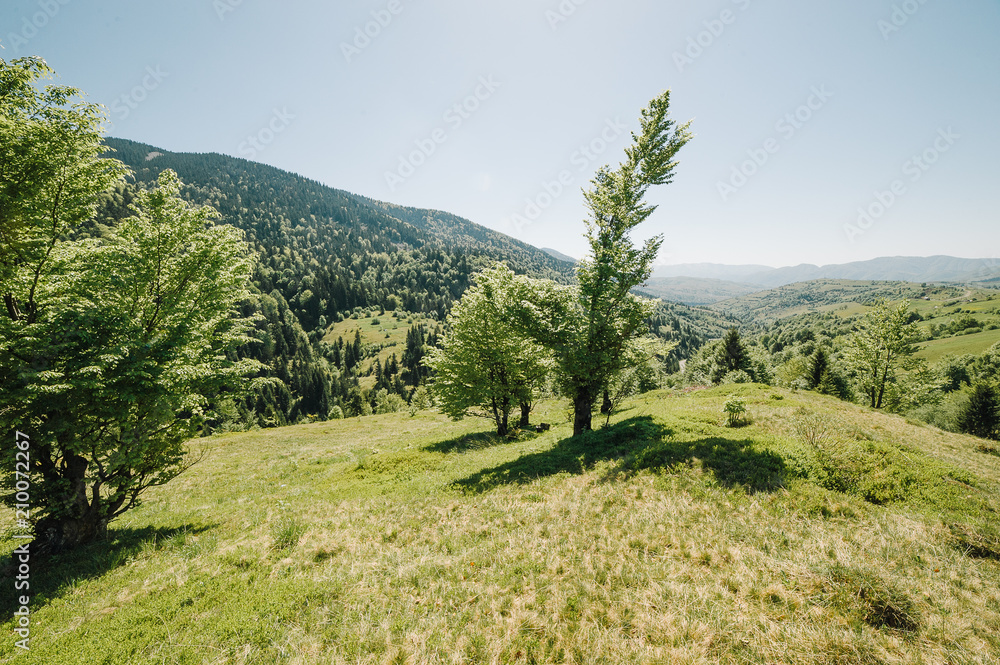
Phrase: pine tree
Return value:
(818, 366)
(981, 416)
(731, 357)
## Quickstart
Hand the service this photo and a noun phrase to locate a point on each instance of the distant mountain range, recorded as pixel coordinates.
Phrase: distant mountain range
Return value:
(888, 268)
(705, 283)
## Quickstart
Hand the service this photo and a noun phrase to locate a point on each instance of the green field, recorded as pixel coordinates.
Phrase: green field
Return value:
(822, 532)
(387, 331)
(975, 344)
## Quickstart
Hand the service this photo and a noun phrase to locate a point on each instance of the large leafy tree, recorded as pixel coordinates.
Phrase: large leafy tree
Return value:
(590, 328)
(485, 365)
(110, 349)
(882, 345)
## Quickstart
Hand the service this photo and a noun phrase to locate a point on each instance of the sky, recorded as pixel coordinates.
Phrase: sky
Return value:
(824, 132)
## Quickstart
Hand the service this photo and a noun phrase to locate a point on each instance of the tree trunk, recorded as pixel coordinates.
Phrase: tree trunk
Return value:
(606, 405)
(525, 413)
(502, 426)
(582, 405)
(81, 523)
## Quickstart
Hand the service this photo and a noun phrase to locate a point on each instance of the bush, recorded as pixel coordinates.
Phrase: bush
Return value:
(736, 412)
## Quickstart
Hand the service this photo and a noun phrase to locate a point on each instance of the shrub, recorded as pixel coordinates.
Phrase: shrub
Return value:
(736, 412)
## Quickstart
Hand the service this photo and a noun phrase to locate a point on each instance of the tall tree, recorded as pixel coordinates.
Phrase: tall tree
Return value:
(484, 363)
(590, 328)
(882, 345)
(132, 338)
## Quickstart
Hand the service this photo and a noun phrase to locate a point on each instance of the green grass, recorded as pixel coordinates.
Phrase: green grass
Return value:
(821, 532)
(382, 330)
(975, 344)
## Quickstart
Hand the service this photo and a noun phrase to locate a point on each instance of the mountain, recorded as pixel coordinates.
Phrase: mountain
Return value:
(351, 291)
(558, 255)
(890, 268)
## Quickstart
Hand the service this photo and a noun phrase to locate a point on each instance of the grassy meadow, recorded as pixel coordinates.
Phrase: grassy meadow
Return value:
(820, 532)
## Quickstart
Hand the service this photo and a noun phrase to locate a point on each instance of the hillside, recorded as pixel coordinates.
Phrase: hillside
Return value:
(327, 256)
(666, 538)
(696, 290)
(820, 295)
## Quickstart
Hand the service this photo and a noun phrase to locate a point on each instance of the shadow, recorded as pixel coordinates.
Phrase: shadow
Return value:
(52, 577)
(639, 443)
(732, 462)
(478, 441)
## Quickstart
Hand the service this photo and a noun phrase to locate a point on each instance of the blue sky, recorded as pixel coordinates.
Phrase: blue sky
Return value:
(825, 132)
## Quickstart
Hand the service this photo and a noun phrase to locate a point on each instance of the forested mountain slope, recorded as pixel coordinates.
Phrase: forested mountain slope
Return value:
(327, 255)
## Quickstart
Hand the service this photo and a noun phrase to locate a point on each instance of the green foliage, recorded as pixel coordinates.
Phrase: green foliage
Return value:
(981, 415)
(731, 356)
(484, 362)
(736, 412)
(132, 338)
(590, 328)
(111, 348)
(883, 344)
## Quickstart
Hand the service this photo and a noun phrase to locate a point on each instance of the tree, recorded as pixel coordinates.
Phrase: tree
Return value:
(819, 366)
(981, 415)
(883, 344)
(484, 363)
(110, 349)
(590, 327)
(732, 356)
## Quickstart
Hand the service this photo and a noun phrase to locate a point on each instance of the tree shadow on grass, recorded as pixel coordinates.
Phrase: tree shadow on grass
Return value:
(639, 443)
(52, 577)
(478, 441)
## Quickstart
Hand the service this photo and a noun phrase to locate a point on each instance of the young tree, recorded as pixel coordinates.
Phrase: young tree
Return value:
(883, 344)
(981, 416)
(819, 366)
(590, 328)
(484, 362)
